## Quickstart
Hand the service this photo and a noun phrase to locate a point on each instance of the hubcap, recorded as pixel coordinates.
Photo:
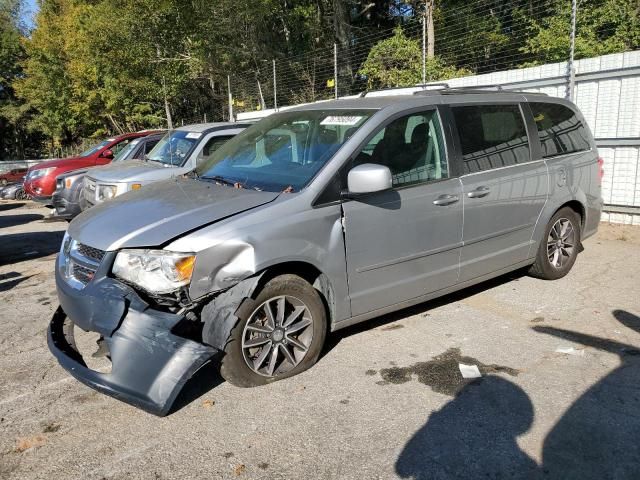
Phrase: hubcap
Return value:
(277, 336)
(561, 243)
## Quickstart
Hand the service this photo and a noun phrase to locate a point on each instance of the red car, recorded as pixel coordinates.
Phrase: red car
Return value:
(12, 176)
(40, 181)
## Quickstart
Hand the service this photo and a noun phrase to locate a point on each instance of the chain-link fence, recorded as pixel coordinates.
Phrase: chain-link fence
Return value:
(443, 40)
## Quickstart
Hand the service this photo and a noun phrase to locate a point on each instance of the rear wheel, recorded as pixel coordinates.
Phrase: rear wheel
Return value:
(558, 249)
(278, 335)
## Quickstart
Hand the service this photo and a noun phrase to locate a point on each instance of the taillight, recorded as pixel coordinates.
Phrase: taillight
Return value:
(600, 169)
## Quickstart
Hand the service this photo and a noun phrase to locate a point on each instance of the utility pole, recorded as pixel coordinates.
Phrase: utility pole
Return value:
(230, 98)
(335, 70)
(275, 87)
(571, 71)
(167, 107)
(424, 47)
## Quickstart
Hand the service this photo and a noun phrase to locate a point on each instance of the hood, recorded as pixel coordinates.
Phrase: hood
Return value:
(160, 212)
(68, 163)
(131, 170)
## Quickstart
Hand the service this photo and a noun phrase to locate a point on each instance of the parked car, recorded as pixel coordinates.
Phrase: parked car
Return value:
(13, 191)
(68, 199)
(40, 181)
(181, 149)
(14, 175)
(317, 218)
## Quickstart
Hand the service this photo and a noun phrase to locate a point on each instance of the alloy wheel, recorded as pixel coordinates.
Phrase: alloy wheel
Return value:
(277, 336)
(561, 243)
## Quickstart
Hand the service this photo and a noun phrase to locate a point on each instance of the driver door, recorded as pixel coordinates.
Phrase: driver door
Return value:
(405, 242)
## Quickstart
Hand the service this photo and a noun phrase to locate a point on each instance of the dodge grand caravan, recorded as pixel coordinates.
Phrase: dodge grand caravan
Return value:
(317, 218)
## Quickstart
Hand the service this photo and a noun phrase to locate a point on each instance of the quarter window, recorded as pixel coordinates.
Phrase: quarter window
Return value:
(491, 136)
(412, 147)
(559, 129)
(213, 144)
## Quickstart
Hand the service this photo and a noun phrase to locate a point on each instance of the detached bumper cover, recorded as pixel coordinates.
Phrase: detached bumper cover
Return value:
(150, 365)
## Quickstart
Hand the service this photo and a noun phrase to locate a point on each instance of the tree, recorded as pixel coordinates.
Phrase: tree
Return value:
(603, 26)
(397, 62)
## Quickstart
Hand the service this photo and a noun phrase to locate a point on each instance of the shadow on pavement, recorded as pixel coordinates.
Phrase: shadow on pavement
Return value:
(18, 247)
(10, 280)
(7, 221)
(203, 381)
(10, 206)
(474, 435)
(334, 338)
(598, 437)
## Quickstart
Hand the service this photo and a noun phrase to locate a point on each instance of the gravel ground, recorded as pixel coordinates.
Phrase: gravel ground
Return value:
(559, 396)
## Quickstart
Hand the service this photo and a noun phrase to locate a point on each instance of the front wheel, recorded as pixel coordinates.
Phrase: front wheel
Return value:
(279, 334)
(558, 248)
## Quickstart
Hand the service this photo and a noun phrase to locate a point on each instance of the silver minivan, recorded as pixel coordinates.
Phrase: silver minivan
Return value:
(317, 218)
(177, 153)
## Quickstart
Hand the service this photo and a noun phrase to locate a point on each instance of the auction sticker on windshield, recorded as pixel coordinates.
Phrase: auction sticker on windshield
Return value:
(349, 120)
(193, 135)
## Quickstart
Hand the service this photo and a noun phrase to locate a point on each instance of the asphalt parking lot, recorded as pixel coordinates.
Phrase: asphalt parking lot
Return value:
(559, 396)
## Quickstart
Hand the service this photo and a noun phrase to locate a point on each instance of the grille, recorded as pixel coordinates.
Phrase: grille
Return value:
(83, 274)
(89, 252)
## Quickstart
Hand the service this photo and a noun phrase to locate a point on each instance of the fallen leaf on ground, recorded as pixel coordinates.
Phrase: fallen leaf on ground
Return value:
(239, 470)
(208, 403)
(23, 444)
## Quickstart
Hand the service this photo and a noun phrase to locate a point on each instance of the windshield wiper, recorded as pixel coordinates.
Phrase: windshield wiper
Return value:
(218, 178)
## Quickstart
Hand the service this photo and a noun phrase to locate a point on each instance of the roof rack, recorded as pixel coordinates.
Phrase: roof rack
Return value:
(471, 89)
(441, 85)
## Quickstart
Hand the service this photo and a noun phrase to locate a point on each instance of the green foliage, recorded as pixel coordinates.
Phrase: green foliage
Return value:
(397, 62)
(92, 67)
(604, 26)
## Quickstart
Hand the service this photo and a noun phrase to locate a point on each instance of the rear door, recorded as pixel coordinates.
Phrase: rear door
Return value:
(505, 186)
(405, 242)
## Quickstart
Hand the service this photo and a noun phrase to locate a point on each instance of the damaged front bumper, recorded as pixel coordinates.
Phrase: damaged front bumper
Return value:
(150, 364)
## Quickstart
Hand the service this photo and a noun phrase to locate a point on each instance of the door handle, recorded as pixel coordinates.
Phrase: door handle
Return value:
(443, 200)
(479, 192)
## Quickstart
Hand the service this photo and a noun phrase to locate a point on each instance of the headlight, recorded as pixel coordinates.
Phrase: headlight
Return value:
(157, 271)
(107, 192)
(41, 172)
(65, 248)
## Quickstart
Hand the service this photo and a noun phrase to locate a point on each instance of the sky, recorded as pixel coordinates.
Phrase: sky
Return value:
(29, 9)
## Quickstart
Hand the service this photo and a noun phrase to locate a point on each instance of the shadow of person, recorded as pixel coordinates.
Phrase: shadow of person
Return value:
(473, 436)
(599, 435)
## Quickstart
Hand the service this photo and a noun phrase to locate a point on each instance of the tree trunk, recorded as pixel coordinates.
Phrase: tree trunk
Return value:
(430, 30)
(342, 28)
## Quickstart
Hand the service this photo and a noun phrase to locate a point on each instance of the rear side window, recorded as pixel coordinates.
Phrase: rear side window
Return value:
(559, 129)
(491, 136)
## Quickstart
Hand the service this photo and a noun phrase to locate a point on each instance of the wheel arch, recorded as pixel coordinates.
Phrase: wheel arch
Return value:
(308, 272)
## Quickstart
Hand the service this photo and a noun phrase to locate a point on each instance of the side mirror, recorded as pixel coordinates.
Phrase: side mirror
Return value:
(368, 178)
(107, 154)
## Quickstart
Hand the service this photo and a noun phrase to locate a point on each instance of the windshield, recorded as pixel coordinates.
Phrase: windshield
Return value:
(127, 151)
(175, 147)
(95, 148)
(284, 151)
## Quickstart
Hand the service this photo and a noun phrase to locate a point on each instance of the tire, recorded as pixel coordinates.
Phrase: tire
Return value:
(299, 296)
(554, 261)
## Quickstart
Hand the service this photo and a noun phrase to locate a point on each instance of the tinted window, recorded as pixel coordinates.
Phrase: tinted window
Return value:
(492, 136)
(412, 147)
(559, 129)
(213, 144)
(284, 151)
